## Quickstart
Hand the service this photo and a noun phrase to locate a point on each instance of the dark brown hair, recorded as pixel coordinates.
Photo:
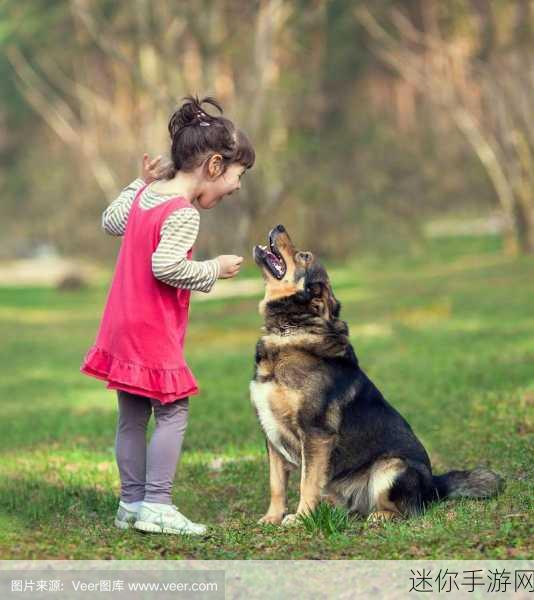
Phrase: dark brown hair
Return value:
(196, 135)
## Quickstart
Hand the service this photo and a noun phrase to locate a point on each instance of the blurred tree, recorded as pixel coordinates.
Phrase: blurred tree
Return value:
(350, 151)
(108, 99)
(486, 92)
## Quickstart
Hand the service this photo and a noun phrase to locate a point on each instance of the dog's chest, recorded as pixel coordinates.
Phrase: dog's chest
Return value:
(261, 395)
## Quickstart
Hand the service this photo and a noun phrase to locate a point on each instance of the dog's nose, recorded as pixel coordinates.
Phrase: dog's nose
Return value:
(280, 228)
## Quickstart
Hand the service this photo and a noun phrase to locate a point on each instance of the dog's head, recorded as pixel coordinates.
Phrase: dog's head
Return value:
(289, 272)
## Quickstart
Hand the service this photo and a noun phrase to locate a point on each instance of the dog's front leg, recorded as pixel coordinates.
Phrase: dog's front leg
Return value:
(315, 457)
(278, 477)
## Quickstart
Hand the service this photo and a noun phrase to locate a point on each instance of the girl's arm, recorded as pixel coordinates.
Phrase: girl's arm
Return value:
(115, 217)
(169, 261)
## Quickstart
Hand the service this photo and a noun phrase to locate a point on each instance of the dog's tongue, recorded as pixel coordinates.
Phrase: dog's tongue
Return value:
(275, 263)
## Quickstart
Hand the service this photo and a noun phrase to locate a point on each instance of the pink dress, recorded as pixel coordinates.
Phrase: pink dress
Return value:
(140, 344)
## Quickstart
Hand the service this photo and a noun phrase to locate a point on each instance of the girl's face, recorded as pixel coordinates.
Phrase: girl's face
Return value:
(223, 185)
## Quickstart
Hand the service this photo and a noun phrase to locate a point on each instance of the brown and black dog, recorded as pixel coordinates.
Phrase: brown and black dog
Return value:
(320, 412)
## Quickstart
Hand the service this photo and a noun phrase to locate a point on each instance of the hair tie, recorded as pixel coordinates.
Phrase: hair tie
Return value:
(200, 116)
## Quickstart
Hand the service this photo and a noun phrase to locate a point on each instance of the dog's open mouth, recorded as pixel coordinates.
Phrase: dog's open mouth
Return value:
(271, 257)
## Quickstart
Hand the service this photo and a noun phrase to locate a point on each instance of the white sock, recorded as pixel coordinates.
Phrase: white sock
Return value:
(131, 505)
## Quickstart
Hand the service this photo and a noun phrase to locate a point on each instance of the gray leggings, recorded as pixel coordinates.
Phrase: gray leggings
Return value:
(149, 475)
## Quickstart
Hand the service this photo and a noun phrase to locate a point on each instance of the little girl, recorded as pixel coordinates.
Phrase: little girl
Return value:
(139, 349)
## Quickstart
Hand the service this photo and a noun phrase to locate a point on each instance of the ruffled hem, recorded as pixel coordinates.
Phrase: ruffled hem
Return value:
(166, 385)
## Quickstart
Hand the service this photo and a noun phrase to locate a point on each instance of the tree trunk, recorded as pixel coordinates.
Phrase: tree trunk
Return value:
(524, 218)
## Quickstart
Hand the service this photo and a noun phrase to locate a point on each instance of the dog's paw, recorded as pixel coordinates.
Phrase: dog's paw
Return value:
(275, 519)
(290, 520)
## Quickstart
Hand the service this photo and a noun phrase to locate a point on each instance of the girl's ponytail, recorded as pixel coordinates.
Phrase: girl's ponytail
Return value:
(191, 113)
(195, 134)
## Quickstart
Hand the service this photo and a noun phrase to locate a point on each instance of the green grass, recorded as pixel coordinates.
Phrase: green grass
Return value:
(326, 520)
(448, 336)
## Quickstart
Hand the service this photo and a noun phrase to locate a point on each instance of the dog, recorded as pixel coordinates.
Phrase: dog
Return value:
(320, 412)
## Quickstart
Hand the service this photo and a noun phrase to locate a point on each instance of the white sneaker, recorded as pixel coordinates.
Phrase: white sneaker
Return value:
(127, 514)
(165, 518)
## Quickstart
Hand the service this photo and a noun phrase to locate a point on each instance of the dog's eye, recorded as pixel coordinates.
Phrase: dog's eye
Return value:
(304, 256)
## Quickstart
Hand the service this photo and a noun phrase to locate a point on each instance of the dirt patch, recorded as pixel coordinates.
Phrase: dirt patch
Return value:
(47, 272)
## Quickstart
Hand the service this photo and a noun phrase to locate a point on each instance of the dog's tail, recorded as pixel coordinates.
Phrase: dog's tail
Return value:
(478, 483)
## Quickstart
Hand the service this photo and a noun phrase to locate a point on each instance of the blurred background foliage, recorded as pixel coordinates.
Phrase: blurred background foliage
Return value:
(370, 119)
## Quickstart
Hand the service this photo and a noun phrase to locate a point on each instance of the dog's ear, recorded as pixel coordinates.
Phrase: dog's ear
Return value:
(323, 302)
(317, 306)
(315, 293)
(331, 301)
(315, 289)
(335, 306)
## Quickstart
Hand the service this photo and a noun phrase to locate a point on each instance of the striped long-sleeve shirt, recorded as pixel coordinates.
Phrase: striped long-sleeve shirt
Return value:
(178, 234)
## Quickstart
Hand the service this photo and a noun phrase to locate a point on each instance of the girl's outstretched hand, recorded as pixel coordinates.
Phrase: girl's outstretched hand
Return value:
(230, 265)
(152, 169)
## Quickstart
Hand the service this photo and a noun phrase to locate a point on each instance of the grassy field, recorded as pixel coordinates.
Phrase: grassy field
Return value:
(448, 337)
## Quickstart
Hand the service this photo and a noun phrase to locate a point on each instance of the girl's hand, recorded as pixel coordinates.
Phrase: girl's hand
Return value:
(230, 265)
(152, 169)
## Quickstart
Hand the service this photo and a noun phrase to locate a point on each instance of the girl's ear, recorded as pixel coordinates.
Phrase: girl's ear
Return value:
(215, 165)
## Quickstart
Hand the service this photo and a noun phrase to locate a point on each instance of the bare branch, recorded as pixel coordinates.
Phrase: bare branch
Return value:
(60, 117)
(55, 111)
